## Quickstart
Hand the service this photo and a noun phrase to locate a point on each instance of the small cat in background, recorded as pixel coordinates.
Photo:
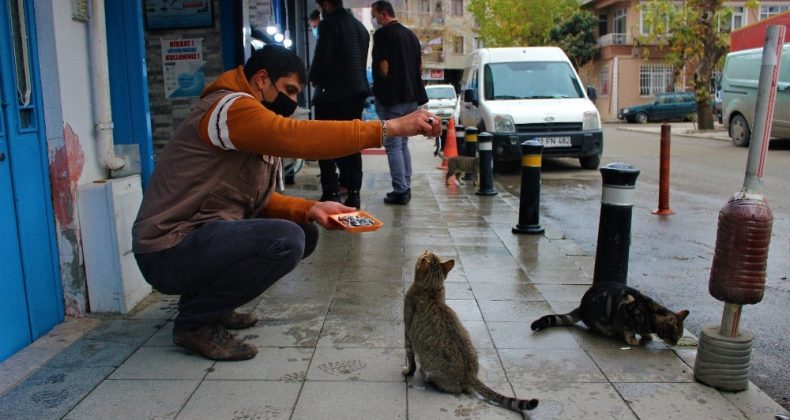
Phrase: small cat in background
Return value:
(614, 308)
(441, 343)
(460, 164)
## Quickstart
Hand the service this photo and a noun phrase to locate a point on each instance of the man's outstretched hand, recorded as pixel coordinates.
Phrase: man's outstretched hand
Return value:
(320, 212)
(420, 121)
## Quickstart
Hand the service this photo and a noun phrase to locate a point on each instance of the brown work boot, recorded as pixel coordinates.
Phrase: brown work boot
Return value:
(214, 342)
(237, 321)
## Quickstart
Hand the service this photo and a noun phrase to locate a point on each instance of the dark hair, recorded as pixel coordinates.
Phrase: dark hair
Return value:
(278, 62)
(315, 14)
(384, 6)
(336, 4)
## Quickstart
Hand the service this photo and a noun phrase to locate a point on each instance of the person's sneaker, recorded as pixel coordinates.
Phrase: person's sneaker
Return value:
(332, 196)
(398, 198)
(408, 192)
(353, 199)
(237, 321)
(214, 342)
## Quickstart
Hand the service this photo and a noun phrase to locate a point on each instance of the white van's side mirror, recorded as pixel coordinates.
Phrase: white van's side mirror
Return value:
(470, 95)
(591, 93)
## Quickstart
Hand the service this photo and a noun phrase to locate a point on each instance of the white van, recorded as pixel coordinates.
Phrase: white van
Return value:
(526, 93)
(739, 95)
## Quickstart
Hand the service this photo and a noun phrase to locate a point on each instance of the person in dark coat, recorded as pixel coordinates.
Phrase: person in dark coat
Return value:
(341, 86)
(398, 88)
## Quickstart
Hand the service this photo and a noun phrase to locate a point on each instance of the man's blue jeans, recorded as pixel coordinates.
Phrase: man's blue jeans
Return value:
(398, 154)
(224, 264)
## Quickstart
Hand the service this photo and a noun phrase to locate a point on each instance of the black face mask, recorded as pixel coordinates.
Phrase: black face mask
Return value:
(282, 104)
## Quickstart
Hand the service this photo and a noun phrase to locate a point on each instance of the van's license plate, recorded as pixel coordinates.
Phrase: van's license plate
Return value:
(554, 141)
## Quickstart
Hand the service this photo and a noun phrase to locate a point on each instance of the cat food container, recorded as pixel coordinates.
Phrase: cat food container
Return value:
(357, 221)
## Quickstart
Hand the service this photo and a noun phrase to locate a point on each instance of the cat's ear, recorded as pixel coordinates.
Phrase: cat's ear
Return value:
(447, 266)
(682, 315)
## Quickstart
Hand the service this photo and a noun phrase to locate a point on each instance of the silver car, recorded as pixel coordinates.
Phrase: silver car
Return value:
(442, 101)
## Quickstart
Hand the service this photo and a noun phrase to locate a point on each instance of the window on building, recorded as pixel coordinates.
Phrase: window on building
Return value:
(603, 27)
(646, 28)
(736, 20)
(458, 44)
(477, 43)
(603, 81)
(618, 23)
(767, 11)
(654, 78)
(458, 7)
(425, 6)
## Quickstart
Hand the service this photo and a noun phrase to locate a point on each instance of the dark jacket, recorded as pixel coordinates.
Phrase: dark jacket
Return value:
(338, 69)
(400, 80)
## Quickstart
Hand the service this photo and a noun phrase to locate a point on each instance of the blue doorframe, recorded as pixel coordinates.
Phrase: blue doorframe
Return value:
(28, 224)
(231, 27)
(129, 79)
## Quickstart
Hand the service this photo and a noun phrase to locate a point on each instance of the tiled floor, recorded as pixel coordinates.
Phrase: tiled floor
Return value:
(331, 333)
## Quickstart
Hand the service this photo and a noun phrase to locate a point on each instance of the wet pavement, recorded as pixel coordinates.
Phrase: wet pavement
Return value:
(331, 333)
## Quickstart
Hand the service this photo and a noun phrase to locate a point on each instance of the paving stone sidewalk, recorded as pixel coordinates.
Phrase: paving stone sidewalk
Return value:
(331, 335)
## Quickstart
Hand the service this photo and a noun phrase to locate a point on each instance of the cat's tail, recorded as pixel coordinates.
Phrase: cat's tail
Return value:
(547, 321)
(514, 404)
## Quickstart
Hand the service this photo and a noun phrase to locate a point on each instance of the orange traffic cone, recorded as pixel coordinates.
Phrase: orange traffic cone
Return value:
(450, 144)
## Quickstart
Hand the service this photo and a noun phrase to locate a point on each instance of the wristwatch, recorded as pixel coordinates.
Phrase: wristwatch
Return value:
(383, 130)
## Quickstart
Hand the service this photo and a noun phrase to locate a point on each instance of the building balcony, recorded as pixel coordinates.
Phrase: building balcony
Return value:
(616, 39)
(411, 18)
(433, 57)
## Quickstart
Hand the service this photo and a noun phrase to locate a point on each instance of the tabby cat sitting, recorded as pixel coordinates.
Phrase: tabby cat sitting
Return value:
(614, 308)
(441, 343)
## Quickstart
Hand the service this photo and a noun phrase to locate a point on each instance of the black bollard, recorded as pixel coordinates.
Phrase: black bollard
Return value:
(614, 226)
(470, 141)
(529, 202)
(470, 148)
(485, 143)
(460, 141)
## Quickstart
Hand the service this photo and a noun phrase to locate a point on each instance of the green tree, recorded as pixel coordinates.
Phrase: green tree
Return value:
(576, 36)
(691, 39)
(519, 23)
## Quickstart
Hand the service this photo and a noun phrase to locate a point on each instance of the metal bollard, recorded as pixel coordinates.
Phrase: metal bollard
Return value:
(737, 274)
(460, 139)
(529, 202)
(485, 152)
(470, 147)
(470, 141)
(614, 226)
(663, 173)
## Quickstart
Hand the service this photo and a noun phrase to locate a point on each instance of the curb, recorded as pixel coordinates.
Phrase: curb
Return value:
(709, 136)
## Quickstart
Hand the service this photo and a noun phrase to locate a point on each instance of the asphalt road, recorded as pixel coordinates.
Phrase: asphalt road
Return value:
(670, 256)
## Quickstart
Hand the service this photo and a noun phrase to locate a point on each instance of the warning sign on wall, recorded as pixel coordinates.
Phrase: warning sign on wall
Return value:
(432, 74)
(183, 67)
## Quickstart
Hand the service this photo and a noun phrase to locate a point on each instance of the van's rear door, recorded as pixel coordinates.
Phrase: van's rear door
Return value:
(781, 126)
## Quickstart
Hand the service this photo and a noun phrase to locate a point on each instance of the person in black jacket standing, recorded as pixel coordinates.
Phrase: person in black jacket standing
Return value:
(341, 86)
(398, 88)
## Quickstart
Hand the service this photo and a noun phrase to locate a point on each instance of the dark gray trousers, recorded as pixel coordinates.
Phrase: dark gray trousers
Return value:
(224, 264)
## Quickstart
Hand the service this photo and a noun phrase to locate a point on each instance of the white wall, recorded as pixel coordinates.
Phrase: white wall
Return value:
(73, 58)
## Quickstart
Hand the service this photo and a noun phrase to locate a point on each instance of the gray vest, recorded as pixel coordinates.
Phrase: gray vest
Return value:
(195, 183)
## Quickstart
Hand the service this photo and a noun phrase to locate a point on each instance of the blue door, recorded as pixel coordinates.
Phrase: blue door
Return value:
(32, 297)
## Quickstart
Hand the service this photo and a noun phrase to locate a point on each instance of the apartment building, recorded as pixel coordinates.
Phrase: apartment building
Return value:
(620, 74)
(447, 31)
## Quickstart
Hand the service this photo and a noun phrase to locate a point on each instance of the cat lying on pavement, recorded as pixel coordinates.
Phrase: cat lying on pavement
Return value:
(616, 309)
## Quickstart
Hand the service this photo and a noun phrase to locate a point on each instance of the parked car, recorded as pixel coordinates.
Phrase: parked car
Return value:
(665, 106)
(531, 93)
(441, 101)
(369, 111)
(739, 95)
